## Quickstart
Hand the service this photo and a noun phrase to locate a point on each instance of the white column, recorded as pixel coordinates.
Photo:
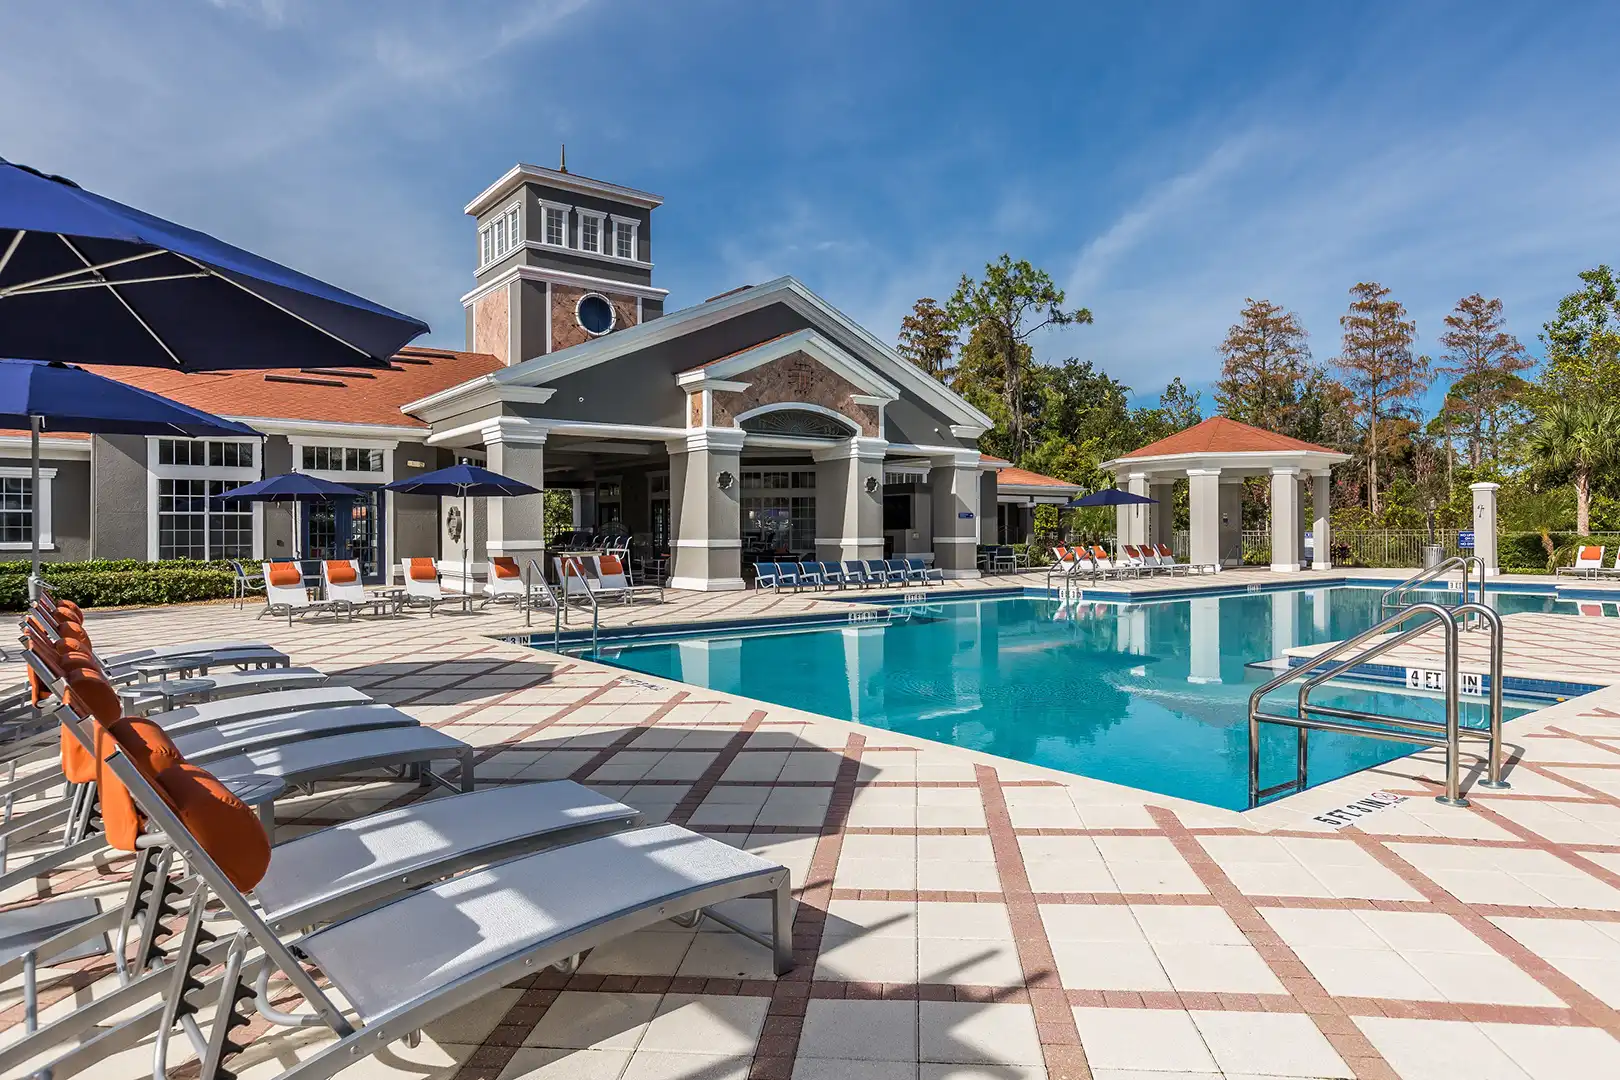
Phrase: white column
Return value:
(517, 526)
(1285, 520)
(1322, 527)
(849, 500)
(953, 488)
(704, 512)
(1206, 639)
(1485, 526)
(1137, 520)
(1204, 517)
(1162, 514)
(1321, 611)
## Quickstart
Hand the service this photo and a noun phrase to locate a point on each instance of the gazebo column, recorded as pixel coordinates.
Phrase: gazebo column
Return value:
(953, 489)
(1162, 514)
(1322, 527)
(1285, 516)
(1231, 541)
(1204, 662)
(704, 483)
(1204, 506)
(1133, 519)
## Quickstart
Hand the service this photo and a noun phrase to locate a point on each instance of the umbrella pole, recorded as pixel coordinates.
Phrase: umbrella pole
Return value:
(466, 545)
(34, 424)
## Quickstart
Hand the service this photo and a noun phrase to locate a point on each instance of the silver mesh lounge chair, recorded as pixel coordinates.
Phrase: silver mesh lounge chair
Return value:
(324, 875)
(171, 693)
(412, 960)
(188, 718)
(204, 745)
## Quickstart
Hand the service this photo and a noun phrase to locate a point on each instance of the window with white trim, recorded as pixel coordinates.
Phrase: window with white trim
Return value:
(624, 239)
(189, 520)
(342, 459)
(17, 508)
(557, 226)
(590, 232)
(499, 236)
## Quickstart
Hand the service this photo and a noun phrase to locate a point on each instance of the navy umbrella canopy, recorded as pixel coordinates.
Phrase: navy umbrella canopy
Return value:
(38, 397)
(88, 280)
(463, 479)
(291, 487)
(1108, 497)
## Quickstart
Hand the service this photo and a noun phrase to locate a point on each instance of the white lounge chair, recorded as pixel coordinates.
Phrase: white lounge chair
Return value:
(613, 582)
(285, 594)
(422, 588)
(1167, 559)
(1588, 562)
(341, 584)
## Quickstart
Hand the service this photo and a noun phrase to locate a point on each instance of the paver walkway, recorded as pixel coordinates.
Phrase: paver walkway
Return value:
(963, 916)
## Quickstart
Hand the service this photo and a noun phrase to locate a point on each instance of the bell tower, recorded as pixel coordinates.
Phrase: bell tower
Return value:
(562, 259)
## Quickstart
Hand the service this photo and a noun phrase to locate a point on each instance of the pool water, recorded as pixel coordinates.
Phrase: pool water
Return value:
(1151, 695)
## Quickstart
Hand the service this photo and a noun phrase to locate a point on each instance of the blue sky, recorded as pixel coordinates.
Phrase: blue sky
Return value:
(1162, 161)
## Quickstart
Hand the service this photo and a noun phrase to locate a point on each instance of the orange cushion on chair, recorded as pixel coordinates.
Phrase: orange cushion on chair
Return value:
(90, 694)
(147, 748)
(423, 570)
(285, 575)
(506, 567)
(1591, 554)
(146, 745)
(223, 824)
(341, 573)
(610, 564)
(68, 608)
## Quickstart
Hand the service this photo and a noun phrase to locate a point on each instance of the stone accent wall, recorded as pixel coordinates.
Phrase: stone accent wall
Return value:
(795, 377)
(694, 409)
(492, 324)
(565, 328)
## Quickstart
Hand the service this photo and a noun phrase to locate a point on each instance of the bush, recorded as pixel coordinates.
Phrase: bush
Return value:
(120, 582)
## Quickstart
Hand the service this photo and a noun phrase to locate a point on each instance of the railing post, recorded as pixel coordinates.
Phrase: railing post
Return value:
(1254, 755)
(1453, 795)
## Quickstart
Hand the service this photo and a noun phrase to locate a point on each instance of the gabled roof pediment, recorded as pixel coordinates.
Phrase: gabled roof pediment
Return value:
(735, 367)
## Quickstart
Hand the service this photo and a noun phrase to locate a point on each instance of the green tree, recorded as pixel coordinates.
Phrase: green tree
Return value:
(1380, 371)
(1583, 339)
(1484, 360)
(1011, 303)
(926, 339)
(1581, 437)
(1264, 362)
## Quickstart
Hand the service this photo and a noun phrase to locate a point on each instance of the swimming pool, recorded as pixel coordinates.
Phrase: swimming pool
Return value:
(1153, 695)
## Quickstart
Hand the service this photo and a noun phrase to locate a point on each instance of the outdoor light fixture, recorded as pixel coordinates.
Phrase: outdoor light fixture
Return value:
(871, 484)
(725, 480)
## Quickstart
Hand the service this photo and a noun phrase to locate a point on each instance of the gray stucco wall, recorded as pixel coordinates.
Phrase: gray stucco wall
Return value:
(416, 517)
(118, 492)
(531, 320)
(280, 519)
(987, 507)
(70, 509)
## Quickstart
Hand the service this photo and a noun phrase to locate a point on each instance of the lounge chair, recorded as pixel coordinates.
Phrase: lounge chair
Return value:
(245, 584)
(285, 594)
(340, 583)
(613, 581)
(1167, 560)
(1106, 566)
(777, 575)
(810, 574)
(405, 963)
(187, 656)
(1588, 562)
(855, 572)
(887, 571)
(918, 570)
(1136, 560)
(505, 583)
(422, 587)
(832, 573)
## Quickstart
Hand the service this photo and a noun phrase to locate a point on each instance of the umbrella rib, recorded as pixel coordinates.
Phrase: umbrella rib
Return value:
(66, 286)
(89, 268)
(11, 248)
(164, 345)
(265, 299)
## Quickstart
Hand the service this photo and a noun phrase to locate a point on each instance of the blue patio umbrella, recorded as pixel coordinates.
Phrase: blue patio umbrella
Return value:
(1108, 497)
(87, 280)
(291, 488)
(39, 396)
(463, 479)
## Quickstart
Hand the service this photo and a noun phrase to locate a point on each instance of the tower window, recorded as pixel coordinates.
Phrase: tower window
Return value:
(595, 314)
(556, 226)
(624, 239)
(498, 236)
(590, 233)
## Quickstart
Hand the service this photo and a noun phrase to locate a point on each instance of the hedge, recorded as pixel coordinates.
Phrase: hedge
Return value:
(120, 582)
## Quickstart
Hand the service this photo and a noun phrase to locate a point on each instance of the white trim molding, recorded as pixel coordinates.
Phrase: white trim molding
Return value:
(49, 448)
(562, 181)
(700, 584)
(561, 277)
(43, 502)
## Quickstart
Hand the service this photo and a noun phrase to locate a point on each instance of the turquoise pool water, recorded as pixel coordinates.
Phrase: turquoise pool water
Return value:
(1153, 695)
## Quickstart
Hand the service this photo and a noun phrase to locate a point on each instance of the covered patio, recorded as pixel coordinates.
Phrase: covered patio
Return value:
(1215, 458)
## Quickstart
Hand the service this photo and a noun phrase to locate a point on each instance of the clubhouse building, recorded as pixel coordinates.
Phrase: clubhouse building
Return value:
(760, 422)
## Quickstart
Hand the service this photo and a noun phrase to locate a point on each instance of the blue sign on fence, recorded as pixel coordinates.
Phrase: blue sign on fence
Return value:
(1465, 540)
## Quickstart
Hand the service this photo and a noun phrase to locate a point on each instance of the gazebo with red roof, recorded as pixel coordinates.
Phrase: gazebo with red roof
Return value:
(1216, 456)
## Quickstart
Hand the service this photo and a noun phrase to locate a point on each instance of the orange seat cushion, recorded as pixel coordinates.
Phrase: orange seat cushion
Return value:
(506, 567)
(423, 570)
(610, 564)
(69, 608)
(89, 694)
(1591, 554)
(223, 824)
(341, 573)
(151, 752)
(285, 575)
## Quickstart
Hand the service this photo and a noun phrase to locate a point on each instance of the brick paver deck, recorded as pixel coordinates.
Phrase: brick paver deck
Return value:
(965, 916)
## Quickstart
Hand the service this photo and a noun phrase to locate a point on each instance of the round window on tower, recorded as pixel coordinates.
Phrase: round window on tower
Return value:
(595, 314)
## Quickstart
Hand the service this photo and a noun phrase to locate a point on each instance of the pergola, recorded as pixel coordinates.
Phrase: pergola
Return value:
(1216, 456)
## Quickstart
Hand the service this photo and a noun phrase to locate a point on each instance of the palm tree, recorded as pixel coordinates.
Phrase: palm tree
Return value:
(1581, 437)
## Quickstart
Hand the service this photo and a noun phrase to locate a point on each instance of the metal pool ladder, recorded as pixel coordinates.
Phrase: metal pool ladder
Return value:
(534, 571)
(1400, 596)
(1347, 655)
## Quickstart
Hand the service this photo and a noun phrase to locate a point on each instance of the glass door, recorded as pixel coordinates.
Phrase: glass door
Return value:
(348, 529)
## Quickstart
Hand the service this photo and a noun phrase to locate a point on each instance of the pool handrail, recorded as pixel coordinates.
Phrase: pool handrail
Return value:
(1399, 729)
(1395, 596)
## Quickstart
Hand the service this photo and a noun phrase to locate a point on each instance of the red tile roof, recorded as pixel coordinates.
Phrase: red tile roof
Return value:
(1220, 435)
(341, 395)
(1012, 476)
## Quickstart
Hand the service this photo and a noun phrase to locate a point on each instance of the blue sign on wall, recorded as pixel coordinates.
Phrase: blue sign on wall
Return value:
(964, 513)
(1465, 540)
